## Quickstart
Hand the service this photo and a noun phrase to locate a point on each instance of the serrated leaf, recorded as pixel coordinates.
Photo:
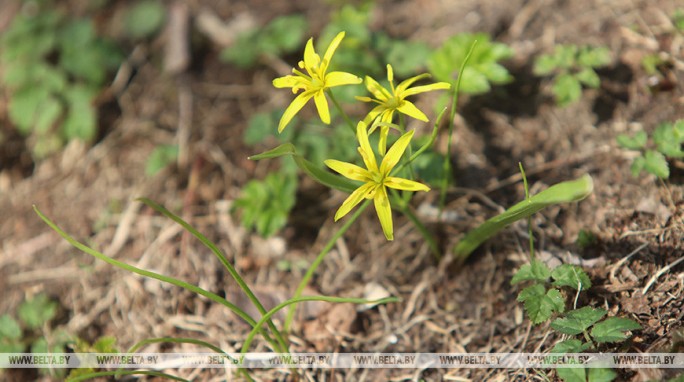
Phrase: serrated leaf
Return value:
(571, 276)
(266, 204)
(637, 166)
(81, 119)
(613, 329)
(538, 305)
(566, 56)
(588, 77)
(593, 57)
(474, 82)
(536, 270)
(9, 328)
(567, 89)
(556, 299)
(570, 346)
(37, 311)
(668, 141)
(656, 164)
(601, 375)
(577, 321)
(545, 64)
(635, 142)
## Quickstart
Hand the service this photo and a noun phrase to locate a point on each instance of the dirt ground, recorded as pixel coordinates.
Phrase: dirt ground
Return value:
(90, 192)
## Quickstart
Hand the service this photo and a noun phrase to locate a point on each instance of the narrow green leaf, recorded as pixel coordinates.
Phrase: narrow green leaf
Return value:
(565, 192)
(282, 150)
(613, 329)
(577, 321)
(536, 270)
(571, 276)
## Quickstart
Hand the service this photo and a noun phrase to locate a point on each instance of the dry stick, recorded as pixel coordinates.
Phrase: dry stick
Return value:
(660, 273)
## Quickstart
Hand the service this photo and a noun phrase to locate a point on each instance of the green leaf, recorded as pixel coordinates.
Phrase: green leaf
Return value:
(638, 141)
(656, 164)
(593, 57)
(406, 57)
(566, 56)
(536, 270)
(574, 374)
(265, 205)
(474, 82)
(601, 375)
(9, 328)
(37, 311)
(637, 166)
(577, 321)
(160, 157)
(47, 114)
(25, 105)
(567, 89)
(613, 329)
(564, 192)
(10, 346)
(588, 77)
(668, 140)
(571, 276)
(81, 120)
(539, 304)
(545, 64)
(570, 346)
(144, 19)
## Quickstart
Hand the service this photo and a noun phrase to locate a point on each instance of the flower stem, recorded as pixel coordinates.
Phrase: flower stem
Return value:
(319, 259)
(342, 112)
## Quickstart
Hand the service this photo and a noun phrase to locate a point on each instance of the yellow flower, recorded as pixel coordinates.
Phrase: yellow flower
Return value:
(393, 100)
(314, 82)
(375, 179)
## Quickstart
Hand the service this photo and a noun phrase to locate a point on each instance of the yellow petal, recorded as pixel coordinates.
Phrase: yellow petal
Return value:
(348, 170)
(322, 106)
(406, 83)
(405, 184)
(333, 79)
(395, 152)
(352, 200)
(296, 105)
(330, 51)
(370, 118)
(382, 143)
(408, 108)
(390, 73)
(377, 90)
(426, 88)
(286, 81)
(311, 59)
(365, 148)
(384, 211)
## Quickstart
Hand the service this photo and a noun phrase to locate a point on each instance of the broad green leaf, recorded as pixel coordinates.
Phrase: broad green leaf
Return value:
(588, 77)
(81, 119)
(11, 347)
(613, 329)
(556, 299)
(593, 57)
(160, 157)
(50, 109)
(572, 374)
(545, 64)
(656, 164)
(566, 55)
(539, 304)
(577, 321)
(571, 346)
(25, 105)
(565, 192)
(105, 344)
(37, 311)
(668, 140)
(266, 204)
(601, 374)
(9, 328)
(406, 57)
(474, 82)
(635, 142)
(536, 270)
(571, 276)
(144, 19)
(637, 166)
(567, 89)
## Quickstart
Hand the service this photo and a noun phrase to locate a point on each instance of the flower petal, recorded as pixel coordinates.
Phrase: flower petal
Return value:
(330, 51)
(348, 170)
(333, 79)
(370, 118)
(411, 110)
(288, 81)
(352, 200)
(322, 106)
(382, 143)
(296, 105)
(426, 88)
(390, 73)
(377, 90)
(365, 148)
(384, 211)
(395, 152)
(405, 184)
(311, 59)
(406, 83)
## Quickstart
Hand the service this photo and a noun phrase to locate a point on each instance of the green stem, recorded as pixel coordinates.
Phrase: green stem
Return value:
(432, 242)
(446, 167)
(296, 300)
(319, 259)
(342, 112)
(222, 258)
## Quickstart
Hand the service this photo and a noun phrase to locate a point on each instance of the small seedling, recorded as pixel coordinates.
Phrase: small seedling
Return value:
(571, 67)
(483, 67)
(266, 204)
(666, 142)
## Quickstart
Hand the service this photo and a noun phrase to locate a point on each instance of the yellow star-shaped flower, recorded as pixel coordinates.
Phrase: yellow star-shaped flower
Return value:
(376, 179)
(314, 82)
(393, 100)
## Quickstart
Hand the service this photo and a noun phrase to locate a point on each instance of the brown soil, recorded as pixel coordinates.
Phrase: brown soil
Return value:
(90, 192)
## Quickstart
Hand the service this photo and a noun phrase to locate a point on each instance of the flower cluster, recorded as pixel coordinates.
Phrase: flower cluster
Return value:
(314, 81)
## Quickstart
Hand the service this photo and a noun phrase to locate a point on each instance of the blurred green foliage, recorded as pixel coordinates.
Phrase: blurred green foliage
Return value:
(571, 67)
(54, 66)
(666, 142)
(144, 19)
